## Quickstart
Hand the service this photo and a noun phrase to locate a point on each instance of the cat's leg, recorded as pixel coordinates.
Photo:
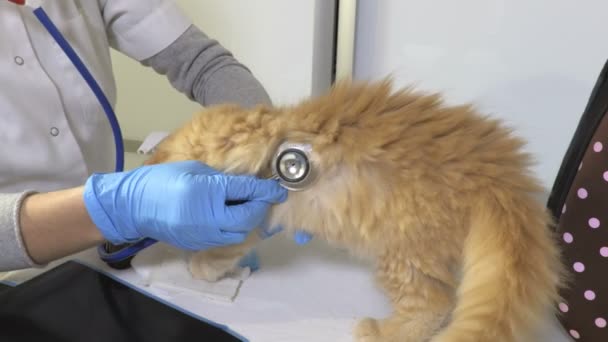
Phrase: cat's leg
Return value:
(421, 304)
(215, 263)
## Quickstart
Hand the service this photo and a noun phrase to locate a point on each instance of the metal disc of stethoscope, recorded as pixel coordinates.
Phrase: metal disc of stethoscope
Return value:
(293, 167)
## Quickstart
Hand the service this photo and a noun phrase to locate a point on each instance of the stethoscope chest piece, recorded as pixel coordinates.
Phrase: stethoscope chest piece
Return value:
(293, 167)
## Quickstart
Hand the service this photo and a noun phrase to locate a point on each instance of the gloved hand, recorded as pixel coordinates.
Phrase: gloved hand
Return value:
(181, 203)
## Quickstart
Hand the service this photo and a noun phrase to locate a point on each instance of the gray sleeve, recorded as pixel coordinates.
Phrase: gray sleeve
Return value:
(206, 72)
(13, 254)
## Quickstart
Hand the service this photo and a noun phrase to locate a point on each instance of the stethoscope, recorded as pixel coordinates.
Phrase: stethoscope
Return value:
(292, 165)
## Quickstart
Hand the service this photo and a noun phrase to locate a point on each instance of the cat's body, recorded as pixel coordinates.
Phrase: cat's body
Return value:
(439, 196)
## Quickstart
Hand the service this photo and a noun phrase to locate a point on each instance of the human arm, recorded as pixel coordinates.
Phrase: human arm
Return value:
(206, 72)
(159, 34)
(36, 228)
(56, 224)
(184, 204)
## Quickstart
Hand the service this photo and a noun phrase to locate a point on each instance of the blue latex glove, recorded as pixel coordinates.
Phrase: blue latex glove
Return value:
(251, 260)
(300, 237)
(182, 203)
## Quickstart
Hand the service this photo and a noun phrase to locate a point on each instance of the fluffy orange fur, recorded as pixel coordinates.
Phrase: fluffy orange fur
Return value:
(441, 197)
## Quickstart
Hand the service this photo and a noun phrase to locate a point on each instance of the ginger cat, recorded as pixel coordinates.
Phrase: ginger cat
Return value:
(441, 197)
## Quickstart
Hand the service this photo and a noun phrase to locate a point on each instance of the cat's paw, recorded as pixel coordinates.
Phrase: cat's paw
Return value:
(367, 330)
(208, 268)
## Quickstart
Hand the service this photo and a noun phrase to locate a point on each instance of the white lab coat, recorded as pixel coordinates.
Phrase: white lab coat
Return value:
(53, 131)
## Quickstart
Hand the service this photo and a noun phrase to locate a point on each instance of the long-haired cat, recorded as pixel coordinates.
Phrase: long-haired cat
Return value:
(440, 196)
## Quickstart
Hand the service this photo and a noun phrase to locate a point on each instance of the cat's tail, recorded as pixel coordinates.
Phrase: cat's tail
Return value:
(511, 275)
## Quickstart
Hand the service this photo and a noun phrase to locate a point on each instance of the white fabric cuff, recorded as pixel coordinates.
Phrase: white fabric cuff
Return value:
(13, 254)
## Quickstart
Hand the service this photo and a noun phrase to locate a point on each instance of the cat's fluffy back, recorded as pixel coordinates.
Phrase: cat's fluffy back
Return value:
(397, 155)
(381, 154)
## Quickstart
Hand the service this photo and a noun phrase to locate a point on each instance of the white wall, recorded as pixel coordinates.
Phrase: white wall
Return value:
(286, 44)
(531, 62)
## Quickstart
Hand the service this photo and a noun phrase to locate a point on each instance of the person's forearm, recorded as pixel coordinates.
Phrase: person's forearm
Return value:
(207, 72)
(56, 224)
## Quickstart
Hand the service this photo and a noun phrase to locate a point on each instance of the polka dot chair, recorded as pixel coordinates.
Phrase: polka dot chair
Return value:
(579, 203)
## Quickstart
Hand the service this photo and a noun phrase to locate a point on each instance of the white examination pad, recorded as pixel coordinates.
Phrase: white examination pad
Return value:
(165, 270)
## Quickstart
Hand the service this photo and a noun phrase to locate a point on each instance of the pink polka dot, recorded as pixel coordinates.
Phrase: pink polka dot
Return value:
(563, 307)
(594, 222)
(604, 252)
(582, 193)
(579, 267)
(600, 322)
(597, 147)
(606, 176)
(589, 295)
(575, 334)
(568, 238)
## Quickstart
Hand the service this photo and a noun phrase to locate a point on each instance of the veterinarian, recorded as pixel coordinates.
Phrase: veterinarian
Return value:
(57, 194)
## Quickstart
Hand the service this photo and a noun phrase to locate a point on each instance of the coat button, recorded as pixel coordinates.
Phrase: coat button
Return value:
(54, 131)
(19, 60)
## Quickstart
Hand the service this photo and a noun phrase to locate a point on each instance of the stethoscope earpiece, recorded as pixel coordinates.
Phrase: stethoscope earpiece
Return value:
(293, 167)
